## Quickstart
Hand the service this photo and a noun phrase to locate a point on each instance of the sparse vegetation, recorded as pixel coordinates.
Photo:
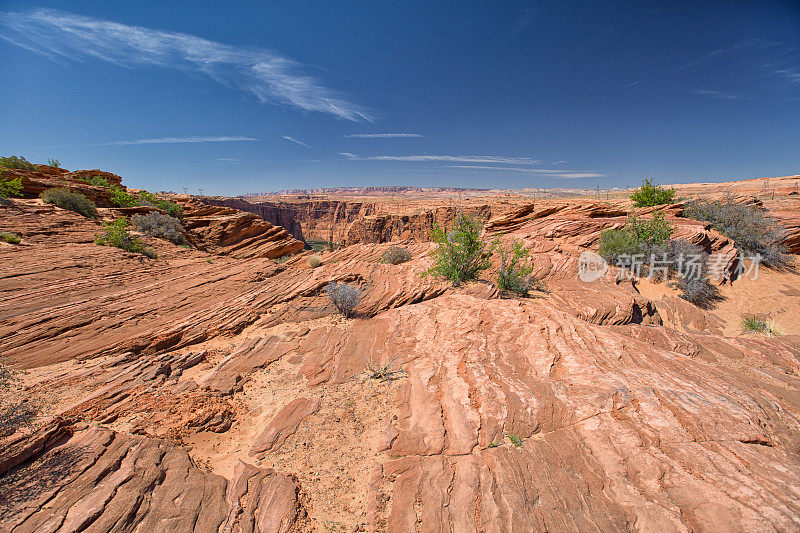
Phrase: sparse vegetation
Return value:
(699, 291)
(10, 238)
(97, 181)
(55, 163)
(752, 231)
(344, 296)
(123, 198)
(649, 239)
(71, 200)
(394, 255)
(116, 234)
(314, 261)
(13, 414)
(516, 441)
(161, 226)
(650, 194)
(16, 162)
(494, 444)
(756, 324)
(690, 263)
(461, 252)
(382, 372)
(513, 276)
(9, 187)
(639, 236)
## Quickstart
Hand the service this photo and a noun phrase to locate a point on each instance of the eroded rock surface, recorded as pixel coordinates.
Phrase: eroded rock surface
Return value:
(203, 392)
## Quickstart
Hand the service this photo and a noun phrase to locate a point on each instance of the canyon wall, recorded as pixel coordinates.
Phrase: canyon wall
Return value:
(352, 221)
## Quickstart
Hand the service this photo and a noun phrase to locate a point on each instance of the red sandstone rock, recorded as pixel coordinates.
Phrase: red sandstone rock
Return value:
(631, 412)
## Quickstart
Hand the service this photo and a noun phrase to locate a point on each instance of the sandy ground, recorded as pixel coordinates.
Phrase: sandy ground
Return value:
(773, 295)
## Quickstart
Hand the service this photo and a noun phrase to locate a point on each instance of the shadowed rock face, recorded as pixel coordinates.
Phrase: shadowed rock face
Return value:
(227, 395)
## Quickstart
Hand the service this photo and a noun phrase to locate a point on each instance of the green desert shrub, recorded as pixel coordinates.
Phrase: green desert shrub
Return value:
(161, 226)
(650, 194)
(638, 236)
(55, 163)
(97, 181)
(16, 162)
(116, 234)
(752, 231)
(515, 440)
(513, 276)
(10, 238)
(461, 253)
(394, 255)
(344, 297)
(71, 200)
(314, 261)
(618, 243)
(123, 198)
(9, 187)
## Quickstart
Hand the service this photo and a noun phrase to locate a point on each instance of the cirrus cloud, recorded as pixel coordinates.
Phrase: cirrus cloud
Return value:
(267, 75)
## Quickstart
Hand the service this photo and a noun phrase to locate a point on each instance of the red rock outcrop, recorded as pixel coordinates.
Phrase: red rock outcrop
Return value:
(226, 231)
(100, 480)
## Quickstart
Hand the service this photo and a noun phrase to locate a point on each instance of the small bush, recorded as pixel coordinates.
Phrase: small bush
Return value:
(513, 276)
(615, 244)
(314, 261)
(756, 324)
(639, 236)
(394, 255)
(116, 234)
(649, 195)
(651, 231)
(123, 198)
(13, 414)
(16, 162)
(345, 297)
(8, 188)
(699, 291)
(460, 254)
(752, 231)
(10, 238)
(97, 181)
(516, 441)
(67, 199)
(55, 163)
(382, 372)
(161, 226)
(171, 208)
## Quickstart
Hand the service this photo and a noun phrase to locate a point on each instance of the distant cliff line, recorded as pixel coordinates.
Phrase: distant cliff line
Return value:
(361, 190)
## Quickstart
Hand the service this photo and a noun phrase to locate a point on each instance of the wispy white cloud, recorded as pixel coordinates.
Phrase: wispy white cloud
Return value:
(178, 140)
(627, 86)
(718, 95)
(544, 173)
(793, 75)
(292, 139)
(384, 135)
(446, 158)
(269, 76)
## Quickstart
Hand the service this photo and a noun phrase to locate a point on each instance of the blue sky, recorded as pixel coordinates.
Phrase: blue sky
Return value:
(233, 98)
